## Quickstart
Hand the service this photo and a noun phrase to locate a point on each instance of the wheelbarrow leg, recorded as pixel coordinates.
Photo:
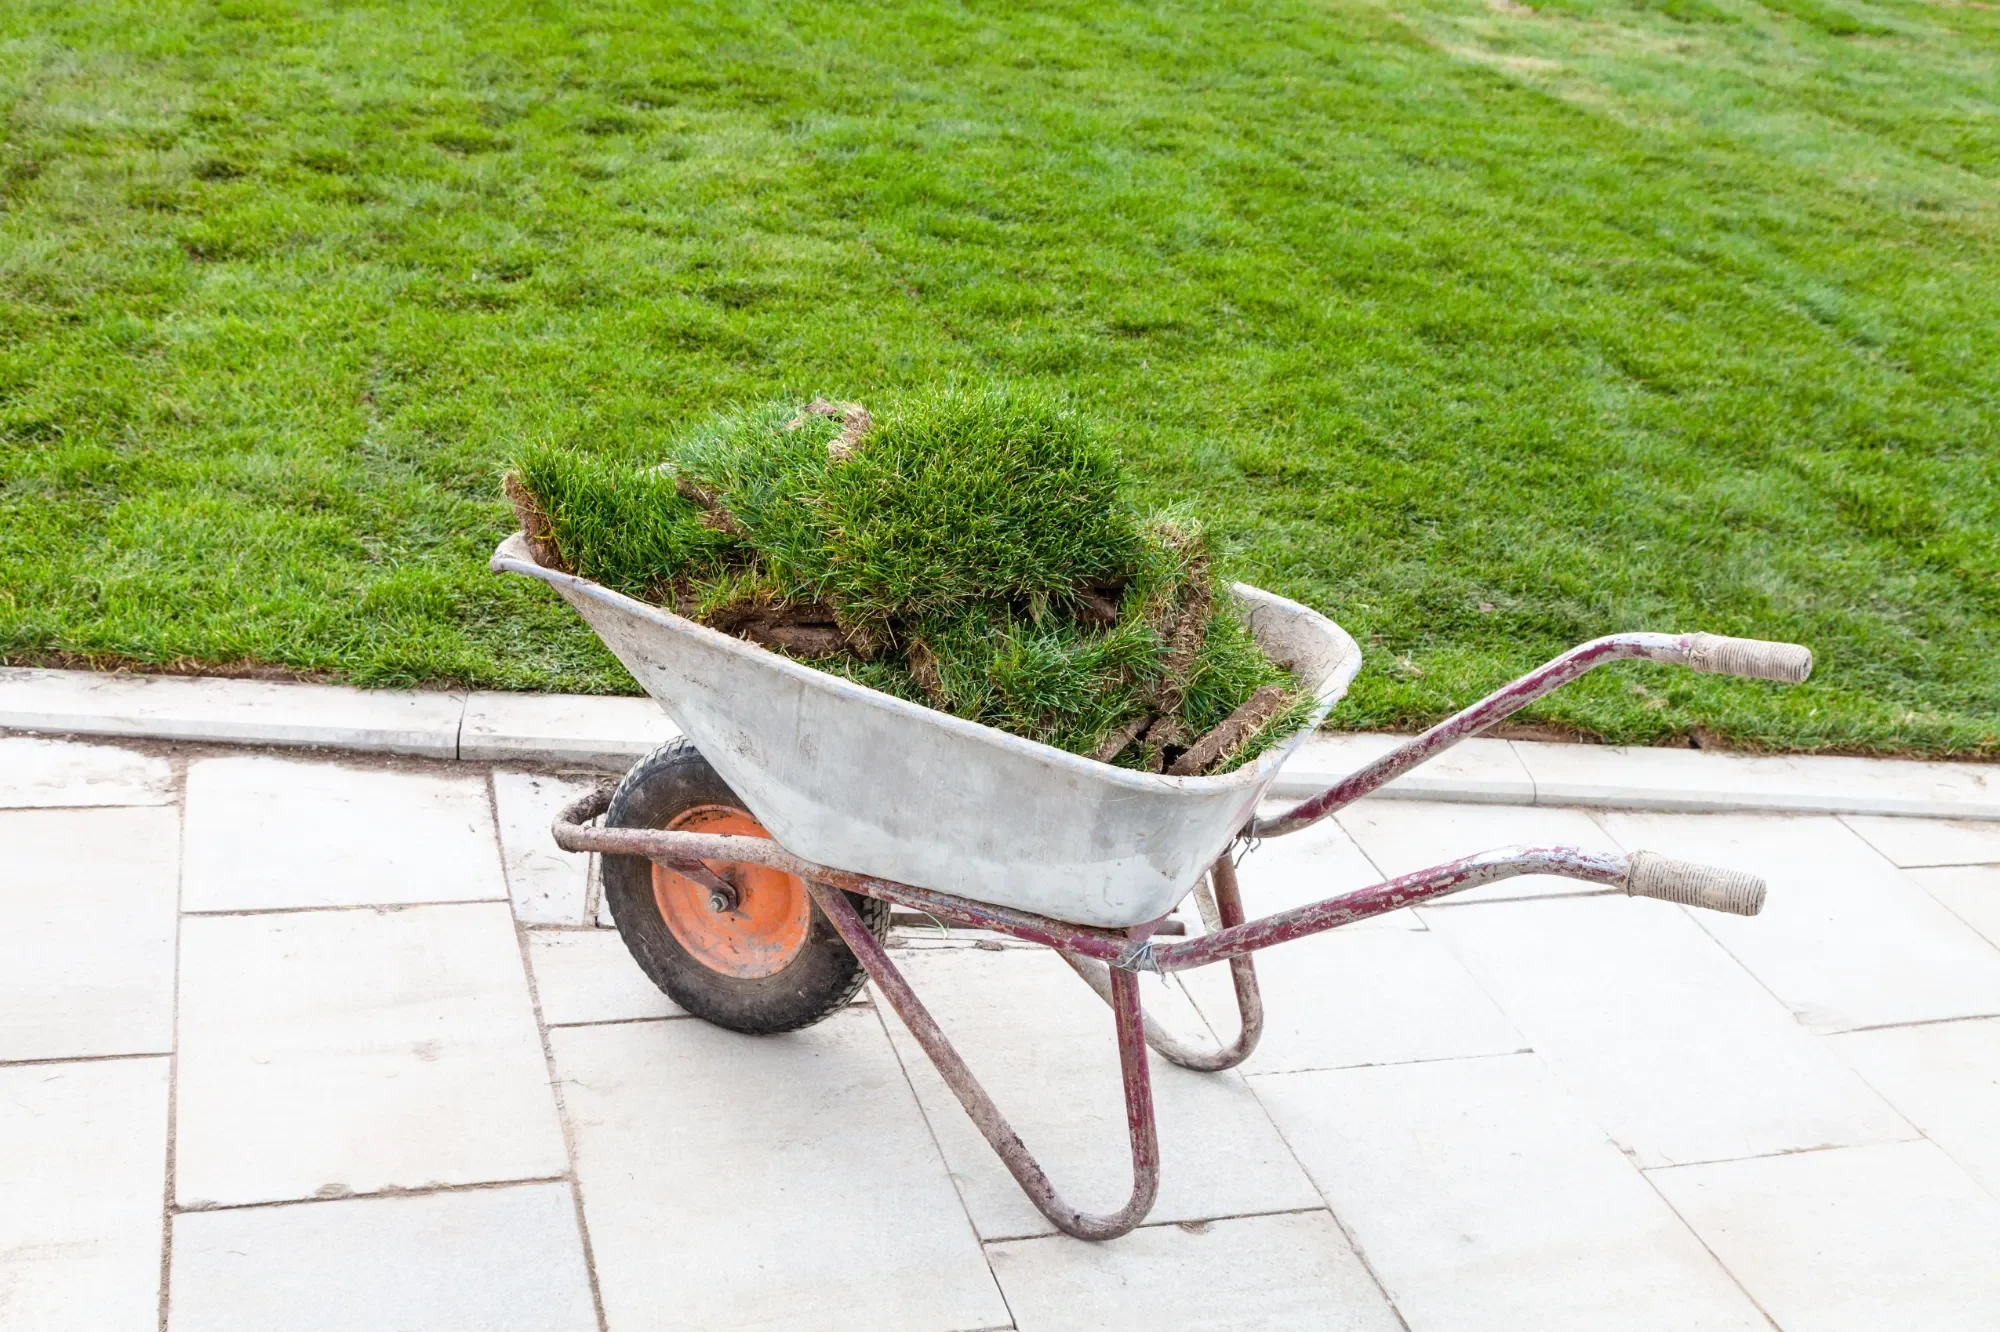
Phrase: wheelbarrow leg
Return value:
(1249, 1003)
(986, 1115)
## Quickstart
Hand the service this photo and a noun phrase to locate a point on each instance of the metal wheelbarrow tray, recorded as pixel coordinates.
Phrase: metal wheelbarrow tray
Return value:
(835, 800)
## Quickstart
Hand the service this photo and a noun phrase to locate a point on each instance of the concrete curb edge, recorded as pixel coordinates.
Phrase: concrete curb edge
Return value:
(608, 733)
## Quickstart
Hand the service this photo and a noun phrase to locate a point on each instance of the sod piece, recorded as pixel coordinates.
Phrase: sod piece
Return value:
(968, 549)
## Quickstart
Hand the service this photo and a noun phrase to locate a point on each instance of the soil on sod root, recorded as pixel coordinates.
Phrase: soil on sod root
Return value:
(971, 551)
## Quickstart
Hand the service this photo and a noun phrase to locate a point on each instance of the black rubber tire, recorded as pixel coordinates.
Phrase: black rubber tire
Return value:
(818, 982)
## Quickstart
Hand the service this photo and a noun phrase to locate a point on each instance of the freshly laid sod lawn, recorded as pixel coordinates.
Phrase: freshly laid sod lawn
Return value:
(1484, 329)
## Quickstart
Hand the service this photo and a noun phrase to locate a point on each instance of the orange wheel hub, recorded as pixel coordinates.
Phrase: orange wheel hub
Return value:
(757, 934)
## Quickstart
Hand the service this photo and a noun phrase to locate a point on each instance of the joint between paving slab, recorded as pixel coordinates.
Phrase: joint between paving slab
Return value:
(382, 908)
(389, 1191)
(1916, 1135)
(630, 1021)
(563, 1126)
(1347, 1236)
(944, 1162)
(1352, 1240)
(169, 1183)
(1192, 1224)
(1389, 1063)
(86, 1059)
(1914, 1022)
(1702, 1240)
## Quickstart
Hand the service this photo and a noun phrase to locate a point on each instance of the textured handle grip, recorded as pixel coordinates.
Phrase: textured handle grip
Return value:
(1787, 663)
(1690, 884)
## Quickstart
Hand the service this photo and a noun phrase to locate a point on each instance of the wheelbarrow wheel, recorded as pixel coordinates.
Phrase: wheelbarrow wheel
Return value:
(748, 949)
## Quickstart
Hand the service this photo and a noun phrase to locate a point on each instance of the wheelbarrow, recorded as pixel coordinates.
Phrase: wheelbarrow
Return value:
(752, 864)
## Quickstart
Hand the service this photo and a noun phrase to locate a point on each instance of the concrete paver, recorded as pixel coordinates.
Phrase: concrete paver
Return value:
(1971, 892)
(269, 833)
(472, 1261)
(1676, 1052)
(1484, 1198)
(782, 1182)
(1360, 997)
(1845, 938)
(588, 976)
(332, 1052)
(44, 773)
(1914, 843)
(1945, 1078)
(87, 935)
(1044, 1047)
(83, 1166)
(1406, 835)
(1852, 1240)
(548, 885)
(1289, 1273)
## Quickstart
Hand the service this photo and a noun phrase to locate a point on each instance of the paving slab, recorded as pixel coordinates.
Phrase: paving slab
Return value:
(1845, 938)
(1476, 770)
(1359, 996)
(1945, 1078)
(1044, 1048)
(775, 1182)
(1970, 892)
(256, 712)
(587, 975)
(478, 1260)
(548, 885)
(1852, 1240)
(1485, 1198)
(1402, 836)
(1677, 1052)
(268, 833)
(1289, 1273)
(324, 1053)
(83, 1172)
(597, 731)
(87, 949)
(1923, 842)
(39, 774)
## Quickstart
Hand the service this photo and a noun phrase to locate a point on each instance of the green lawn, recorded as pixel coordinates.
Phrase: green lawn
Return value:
(1484, 329)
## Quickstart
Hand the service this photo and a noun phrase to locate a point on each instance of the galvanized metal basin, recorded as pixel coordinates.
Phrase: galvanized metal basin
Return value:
(858, 780)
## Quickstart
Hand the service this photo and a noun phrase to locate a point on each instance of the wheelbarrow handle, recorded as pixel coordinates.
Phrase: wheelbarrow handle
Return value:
(1755, 658)
(1713, 653)
(1690, 884)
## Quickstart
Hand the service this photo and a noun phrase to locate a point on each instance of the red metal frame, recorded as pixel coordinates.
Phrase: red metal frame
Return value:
(1110, 960)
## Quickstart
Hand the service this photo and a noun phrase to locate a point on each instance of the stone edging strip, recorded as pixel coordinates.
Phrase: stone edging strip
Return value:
(608, 733)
